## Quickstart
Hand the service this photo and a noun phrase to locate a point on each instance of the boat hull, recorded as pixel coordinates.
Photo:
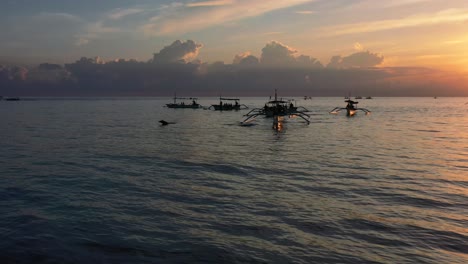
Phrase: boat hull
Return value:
(350, 112)
(178, 106)
(218, 107)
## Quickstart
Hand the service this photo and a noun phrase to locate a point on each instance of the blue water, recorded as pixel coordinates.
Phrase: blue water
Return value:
(101, 181)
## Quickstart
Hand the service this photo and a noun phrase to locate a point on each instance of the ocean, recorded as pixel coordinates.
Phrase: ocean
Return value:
(99, 180)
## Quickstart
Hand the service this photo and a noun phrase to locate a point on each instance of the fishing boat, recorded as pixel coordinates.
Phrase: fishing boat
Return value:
(369, 97)
(191, 104)
(350, 108)
(278, 108)
(225, 104)
(12, 99)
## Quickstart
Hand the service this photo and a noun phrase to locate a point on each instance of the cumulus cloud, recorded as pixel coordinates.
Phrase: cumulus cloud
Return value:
(94, 77)
(280, 55)
(309, 62)
(17, 73)
(245, 59)
(178, 51)
(363, 59)
(277, 54)
(239, 57)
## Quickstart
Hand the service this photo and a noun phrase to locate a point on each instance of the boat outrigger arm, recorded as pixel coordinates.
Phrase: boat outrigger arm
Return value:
(277, 108)
(261, 112)
(350, 108)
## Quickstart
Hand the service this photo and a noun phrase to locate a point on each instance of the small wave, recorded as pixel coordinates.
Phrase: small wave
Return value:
(428, 130)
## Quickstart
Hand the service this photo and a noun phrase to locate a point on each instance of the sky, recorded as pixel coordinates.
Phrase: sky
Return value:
(428, 33)
(154, 47)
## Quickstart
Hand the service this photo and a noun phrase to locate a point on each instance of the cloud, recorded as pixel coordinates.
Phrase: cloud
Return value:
(81, 41)
(308, 62)
(93, 31)
(161, 77)
(442, 17)
(305, 12)
(58, 16)
(276, 53)
(395, 3)
(280, 55)
(272, 33)
(14, 73)
(237, 59)
(358, 46)
(363, 59)
(120, 13)
(185, 18)
(335, 62)
(245, 59)
(178, 51)
(211, 3)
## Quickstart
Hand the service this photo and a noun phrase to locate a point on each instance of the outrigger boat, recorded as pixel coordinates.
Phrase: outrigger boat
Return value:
(278, 108)
(350, 108)
(224, 106)
(192, 105)
(12, 99)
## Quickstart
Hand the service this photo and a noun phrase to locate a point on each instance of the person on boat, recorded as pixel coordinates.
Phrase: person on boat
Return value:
(291, 106)
(350, 104)
(193, 102)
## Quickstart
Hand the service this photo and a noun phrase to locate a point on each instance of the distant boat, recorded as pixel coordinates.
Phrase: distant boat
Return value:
(369, 97)
(358, 97)
(12, 99)
(192, 105)
(350, 108)
(225, 106)
(435, 97)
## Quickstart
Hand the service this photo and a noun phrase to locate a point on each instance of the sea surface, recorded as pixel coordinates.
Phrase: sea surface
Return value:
(101, 181)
